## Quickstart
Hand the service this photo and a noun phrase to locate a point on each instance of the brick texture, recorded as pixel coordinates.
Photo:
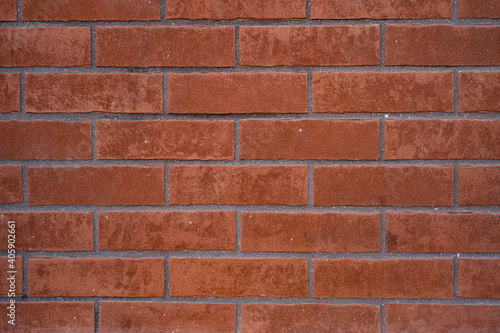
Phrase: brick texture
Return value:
(479, 9)
(7, 271)
(50, 47)
(165, 46)
(310, 46)
(8, 10)
(96, 277)
(479, 91)
(393, 278)
(310, 232)
(309, 139)
(93, 10)
(82, 93)
(167, 231)
(479, 278)
(479, 185)
(225, 93)
(11, 184)
(49, 231)
(236, 9)
(104, 185)
(10, 95)
(442, 45)
(383, 92)
(228, 277)
(45, 140)
(165, 139)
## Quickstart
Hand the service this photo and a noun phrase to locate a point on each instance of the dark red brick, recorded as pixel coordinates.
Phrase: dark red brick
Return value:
(479, 9)
(479, 278)
(8, 10)
(7, 271)
(479, 91)
(11, 184)
(10, 93)
(479, 185)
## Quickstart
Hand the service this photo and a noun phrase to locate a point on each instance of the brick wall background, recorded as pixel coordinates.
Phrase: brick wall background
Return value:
(251, 166)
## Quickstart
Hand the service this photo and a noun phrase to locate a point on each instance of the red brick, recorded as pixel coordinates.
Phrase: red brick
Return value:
(165, 139)
(238, 185)
(375, 185)
(101, 185)
(112, 93)
(50, 317)
(91, 10)
(52, 47)
(166, 46)
(166, 317)
(8, 10)
(424, 139)
(230, 277)
(106, 277)
(257, 317)
(479, 278)
(49, 231)
(383, 92)
(45, 140)
(479, 185)
(167, 231)
(393, 278)
(225, 93)
(479, 9)
(11, 184)
(310, 232)
(310, 46)
(4, 269)
(442, 45)
(327, 139)
(443, 232)
(236, 9)
(385, 9)
(10, 94)
(433, 318)
(479, 91)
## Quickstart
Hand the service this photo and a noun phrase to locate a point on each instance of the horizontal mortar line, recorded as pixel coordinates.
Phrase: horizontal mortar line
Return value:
(75, 117)
(246, 69)
(205, 254)
(254, 22)
(265, 299)
(247, 208)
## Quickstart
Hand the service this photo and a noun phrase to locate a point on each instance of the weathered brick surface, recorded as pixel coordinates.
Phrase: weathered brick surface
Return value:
(10, 94)
(479, 278)
(479, 185)
(479, 91)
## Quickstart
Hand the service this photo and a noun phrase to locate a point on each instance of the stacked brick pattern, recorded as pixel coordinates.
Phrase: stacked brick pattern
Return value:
(251, 166)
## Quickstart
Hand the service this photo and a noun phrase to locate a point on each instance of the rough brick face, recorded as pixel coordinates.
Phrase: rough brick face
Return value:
(165, 139)
(382, 9)
(443, 232)
(257, 317)
(479, 185)
(10, 95)
(383, 92)
(394, 278)
(11, 184)
(81, 93)
(479, 91)
(479, 278)
(236, 9)
(165, 46)
(442, 45)
(167, 231)
(414, 318)
(383, 185)
(479, 9)
(45, 140)
(225, 93)
(309, 139)
(52, 46)
(166, 317)
(49, 231)
(228, 277)
(5, 285)
(310, 46)
(238, 185)
(93, 10)
(103, 186)
(96, 277)
(310, 232)
(442, 139)
(8, 10)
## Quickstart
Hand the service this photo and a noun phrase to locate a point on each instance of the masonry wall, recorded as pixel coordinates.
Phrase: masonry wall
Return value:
(250, 166)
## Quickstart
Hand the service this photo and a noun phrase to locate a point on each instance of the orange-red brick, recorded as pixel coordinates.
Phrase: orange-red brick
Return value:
(479, 9)
(479, 185)
(479, 91)
(479, 278)
(8, 10)
(231, 277)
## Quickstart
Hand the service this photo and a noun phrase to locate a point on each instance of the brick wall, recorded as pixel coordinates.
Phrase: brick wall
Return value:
(251, 166)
